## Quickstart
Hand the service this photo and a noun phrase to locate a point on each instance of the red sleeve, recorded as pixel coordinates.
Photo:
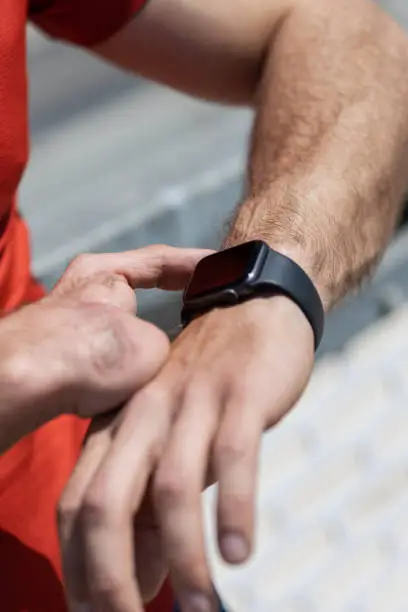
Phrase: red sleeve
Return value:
(83, 22)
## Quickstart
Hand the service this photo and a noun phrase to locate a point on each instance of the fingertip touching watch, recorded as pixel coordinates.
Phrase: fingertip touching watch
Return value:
(248, 271)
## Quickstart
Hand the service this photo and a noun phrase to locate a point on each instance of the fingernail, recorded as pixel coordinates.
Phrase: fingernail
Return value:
(196, 602)
(234, 548)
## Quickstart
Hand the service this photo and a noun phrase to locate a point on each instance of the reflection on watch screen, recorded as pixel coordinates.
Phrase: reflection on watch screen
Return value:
(221, 269)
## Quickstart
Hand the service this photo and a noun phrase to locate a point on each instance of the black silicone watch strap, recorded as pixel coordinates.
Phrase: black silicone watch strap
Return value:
(288, 278)
(269, 274)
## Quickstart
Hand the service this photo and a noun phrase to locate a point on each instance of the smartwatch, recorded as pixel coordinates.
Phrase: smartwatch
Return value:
(249, 271)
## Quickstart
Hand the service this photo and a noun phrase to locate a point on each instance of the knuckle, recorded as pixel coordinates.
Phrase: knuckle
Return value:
(198, 389)
(109, 586)
(94, 292)
(96, 511)
(158, 249)
(145, 336)
(154, 452)
(171, 487)
(67, 510)
(81, 264)
(77, 275)
(230, 451)
(193, 567)
(155, 394)
(236, 505)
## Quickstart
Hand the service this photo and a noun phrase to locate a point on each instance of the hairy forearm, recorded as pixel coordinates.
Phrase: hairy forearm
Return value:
(329, 159)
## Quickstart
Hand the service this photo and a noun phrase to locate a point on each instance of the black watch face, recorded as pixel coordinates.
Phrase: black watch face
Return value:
(224, 269)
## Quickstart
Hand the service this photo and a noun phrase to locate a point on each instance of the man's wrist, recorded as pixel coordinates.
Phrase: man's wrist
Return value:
(306, 261)
(298, 253)
(284, 221)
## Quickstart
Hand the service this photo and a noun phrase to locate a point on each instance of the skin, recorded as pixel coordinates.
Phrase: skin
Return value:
(326, 176)
(81, 350)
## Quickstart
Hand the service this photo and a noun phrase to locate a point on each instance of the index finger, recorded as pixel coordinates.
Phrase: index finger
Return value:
(157, 266)
(111, 499)
(96, 445)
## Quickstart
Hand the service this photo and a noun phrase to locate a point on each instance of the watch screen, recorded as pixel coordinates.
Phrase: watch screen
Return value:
(224, 268)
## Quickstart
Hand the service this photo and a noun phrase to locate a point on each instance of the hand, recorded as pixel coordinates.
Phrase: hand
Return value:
(231, 374)
(81, 349)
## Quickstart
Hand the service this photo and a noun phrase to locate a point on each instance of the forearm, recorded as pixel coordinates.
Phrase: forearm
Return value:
(329, 165)
(20, 412)
(18, 416)
(23, 406)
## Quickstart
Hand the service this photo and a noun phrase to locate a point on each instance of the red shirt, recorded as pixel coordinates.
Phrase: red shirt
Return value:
(34, 472)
